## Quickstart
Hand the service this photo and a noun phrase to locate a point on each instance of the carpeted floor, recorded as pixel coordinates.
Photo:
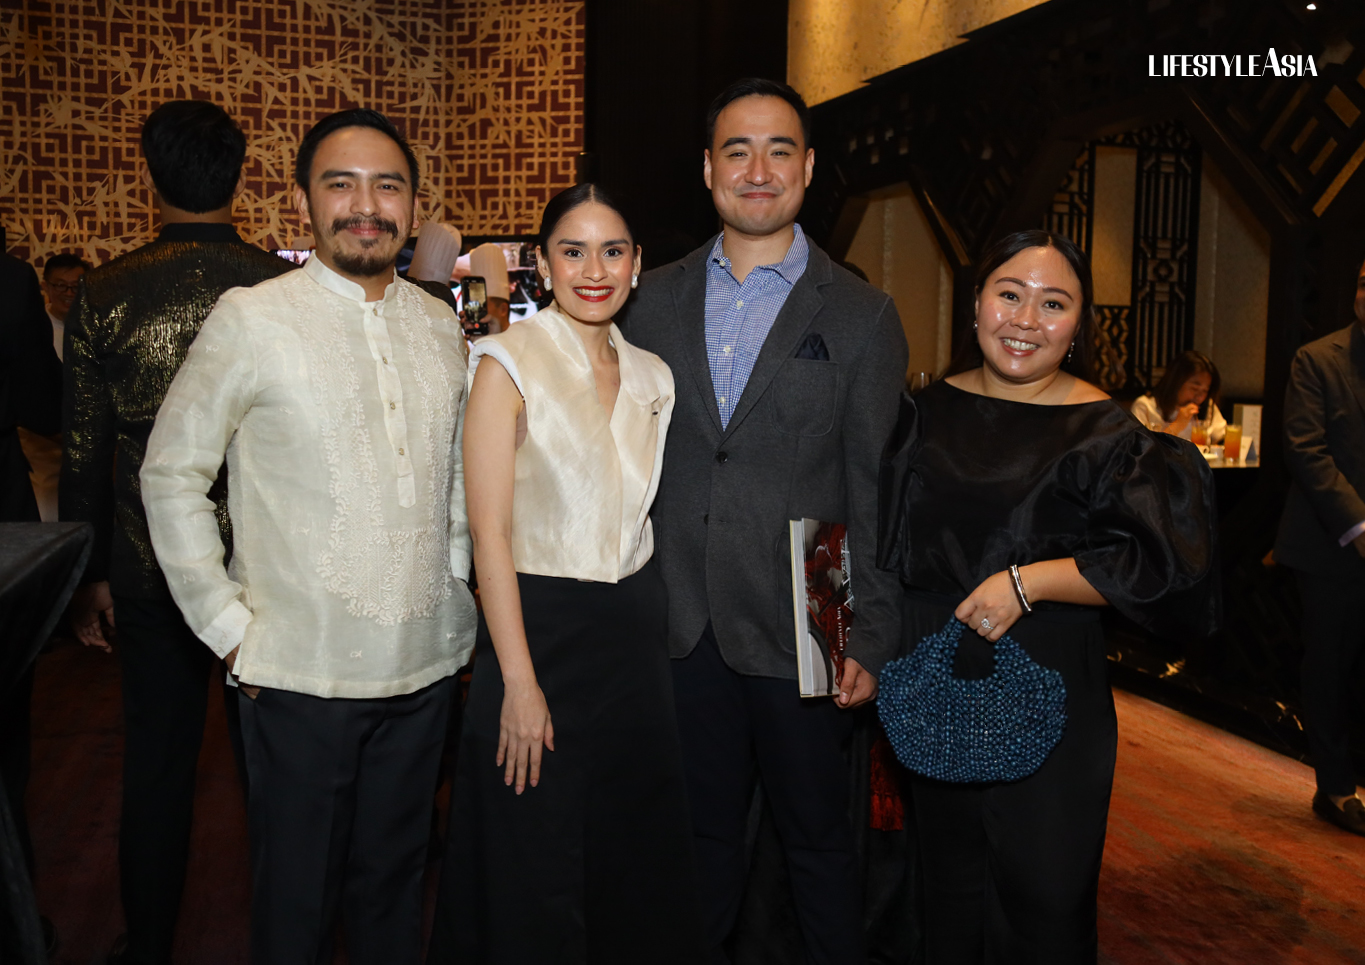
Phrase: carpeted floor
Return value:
(1213, 855)
(73, 805)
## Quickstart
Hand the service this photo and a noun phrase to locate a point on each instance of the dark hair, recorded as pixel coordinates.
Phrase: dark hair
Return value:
(355, 117)
(756, 87)
(63, 261)
(968, 354)
(569, 199)
(1178, 371)
(194, 152)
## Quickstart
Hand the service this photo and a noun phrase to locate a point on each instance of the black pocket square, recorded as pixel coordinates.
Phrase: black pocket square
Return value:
(813, 348)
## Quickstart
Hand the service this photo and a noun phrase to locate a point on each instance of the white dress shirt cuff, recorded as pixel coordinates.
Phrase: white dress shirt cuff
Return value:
(1352, 533)
(226, 631)
(460, 564)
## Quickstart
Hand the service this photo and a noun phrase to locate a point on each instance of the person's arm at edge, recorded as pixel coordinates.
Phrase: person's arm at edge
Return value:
(875, 386)
(461, 553)
(1334, 500)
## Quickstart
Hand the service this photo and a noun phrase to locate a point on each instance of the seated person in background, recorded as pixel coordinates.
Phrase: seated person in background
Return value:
(1187, 392)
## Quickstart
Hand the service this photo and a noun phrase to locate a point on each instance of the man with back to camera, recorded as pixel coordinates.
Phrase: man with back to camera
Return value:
(337, 395)
(127, 334)
(1322, 538)
(789, 371)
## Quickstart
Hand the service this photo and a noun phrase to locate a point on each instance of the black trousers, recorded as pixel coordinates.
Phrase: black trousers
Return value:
(340, 815)
(1333, 636)
(166, 673)
(1011, 870)
(17, 505)
(593, 865)
(733, 726)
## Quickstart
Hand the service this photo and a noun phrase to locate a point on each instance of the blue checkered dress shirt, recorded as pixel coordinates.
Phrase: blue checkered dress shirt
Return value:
(739, 316)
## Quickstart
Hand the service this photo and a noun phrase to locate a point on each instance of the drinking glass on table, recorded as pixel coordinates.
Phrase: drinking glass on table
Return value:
(1232, 444)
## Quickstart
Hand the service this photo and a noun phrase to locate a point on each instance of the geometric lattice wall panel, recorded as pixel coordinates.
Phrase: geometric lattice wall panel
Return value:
(490, 92)
(1154, 321)
(1309, 130)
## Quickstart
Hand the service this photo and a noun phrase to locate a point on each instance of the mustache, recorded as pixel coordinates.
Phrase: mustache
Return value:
(364, 221)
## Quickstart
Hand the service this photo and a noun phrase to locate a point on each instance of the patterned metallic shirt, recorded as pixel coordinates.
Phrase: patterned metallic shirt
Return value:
(128, 332)
(739, 316)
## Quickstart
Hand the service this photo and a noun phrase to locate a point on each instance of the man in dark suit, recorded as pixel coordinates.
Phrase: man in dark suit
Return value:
(788, 371)
(126, 336)
(1322, 538)
(30, 383)
(30, 397)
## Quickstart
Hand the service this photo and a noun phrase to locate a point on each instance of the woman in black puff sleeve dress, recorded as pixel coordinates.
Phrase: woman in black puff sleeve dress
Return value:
(1017, 460)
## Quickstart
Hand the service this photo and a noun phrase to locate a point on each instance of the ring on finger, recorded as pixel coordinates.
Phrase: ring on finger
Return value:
(986, 624)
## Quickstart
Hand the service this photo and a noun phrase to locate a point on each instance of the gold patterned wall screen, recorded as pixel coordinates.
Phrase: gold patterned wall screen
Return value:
(490, 92)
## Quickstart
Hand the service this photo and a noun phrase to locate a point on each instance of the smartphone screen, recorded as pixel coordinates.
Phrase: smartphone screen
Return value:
(474, 299)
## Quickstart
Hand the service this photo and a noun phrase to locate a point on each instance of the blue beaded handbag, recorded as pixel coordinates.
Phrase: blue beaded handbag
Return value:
(998, 728)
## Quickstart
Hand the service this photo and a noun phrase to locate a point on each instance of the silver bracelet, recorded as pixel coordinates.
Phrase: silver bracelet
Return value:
(1019, 589)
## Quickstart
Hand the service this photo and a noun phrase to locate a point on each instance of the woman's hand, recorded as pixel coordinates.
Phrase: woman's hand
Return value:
(994, 601)
(524, 732)
(1183, 415)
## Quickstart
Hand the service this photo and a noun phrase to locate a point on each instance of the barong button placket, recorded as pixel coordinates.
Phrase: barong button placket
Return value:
(391, 388)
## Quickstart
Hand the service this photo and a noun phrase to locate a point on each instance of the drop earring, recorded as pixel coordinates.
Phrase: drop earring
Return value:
(1071, 351)
(548, 284)
(634, 281)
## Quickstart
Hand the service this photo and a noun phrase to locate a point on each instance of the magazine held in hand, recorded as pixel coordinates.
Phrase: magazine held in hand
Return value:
(822, 603)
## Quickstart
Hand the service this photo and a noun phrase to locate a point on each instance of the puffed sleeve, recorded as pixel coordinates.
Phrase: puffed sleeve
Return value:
(1151, 545)
(893, 525)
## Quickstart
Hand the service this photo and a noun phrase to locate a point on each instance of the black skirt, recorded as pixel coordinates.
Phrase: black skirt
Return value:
(595, 863)
(1011, 870)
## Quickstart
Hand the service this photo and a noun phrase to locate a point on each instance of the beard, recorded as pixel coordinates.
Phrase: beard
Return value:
(376, 256)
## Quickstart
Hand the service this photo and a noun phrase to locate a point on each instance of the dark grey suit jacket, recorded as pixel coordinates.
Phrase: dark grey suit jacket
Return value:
(806, 440)
(1324, 433)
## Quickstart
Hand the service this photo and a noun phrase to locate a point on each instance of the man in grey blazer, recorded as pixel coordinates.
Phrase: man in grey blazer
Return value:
(1322, 538)
(788, 371)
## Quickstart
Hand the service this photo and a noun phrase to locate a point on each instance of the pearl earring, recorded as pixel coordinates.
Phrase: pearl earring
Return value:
(548, 284)
(634, 281)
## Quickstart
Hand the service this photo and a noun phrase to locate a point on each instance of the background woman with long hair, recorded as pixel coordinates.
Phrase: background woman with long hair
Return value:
(1186, 392)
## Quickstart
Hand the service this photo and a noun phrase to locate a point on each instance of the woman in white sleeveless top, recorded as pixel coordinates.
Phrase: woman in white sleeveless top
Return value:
(569, 837)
